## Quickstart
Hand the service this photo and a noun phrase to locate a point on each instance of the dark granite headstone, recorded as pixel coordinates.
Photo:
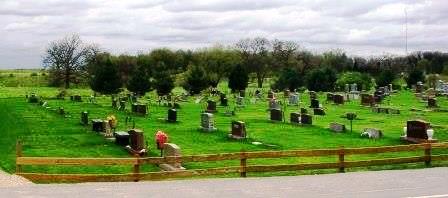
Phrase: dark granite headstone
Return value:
(367, 100)
(238, 129)
(211, 106)
(319, 111)
(140, 109)
(295, 118)
(84, 118)
(338, 99)
(276, 115)
(97, 125)
(303, 111)
(137, 139)
(313, 95)
(330, 96)
(417, 129)
(172, 115)
(121, 138)
(432, 102)
(314, 103)
(306, 119)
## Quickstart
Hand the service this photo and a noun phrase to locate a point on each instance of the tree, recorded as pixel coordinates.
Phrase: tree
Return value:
(415, 76)
(321, 79)
(255, 57)
(217, 62)
(105, 78)
(364, 81)
(67, 59)
(195, 80)
(337, 60)
(163, 81)
(238, 79)
(385, 78)
(139, 81)
(288, 79)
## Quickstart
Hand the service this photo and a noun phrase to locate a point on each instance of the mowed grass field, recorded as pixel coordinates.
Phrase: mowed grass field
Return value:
(46, 133)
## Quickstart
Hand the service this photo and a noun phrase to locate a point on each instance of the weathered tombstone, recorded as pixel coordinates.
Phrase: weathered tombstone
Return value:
(211, 106)
(140, 109)
(319, 111)
(207, 122)
(353, 87)
(337, 127)
(84, 118)
(419, 87)
(238, 130)
(303, 111)
(171, 150)
(306, 119)
(293, 99)
(367, 100)
(137, 139)
(121, 138)
(432, 102)
(273, 104)
(391, 90)
(314, 103)
(418, 131)
(372, 133)
(338, 99)
(97, 125)
(172, 115)
(276, 115)
(294, 118)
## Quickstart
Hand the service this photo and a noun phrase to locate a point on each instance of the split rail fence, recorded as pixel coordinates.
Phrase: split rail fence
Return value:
(244, 167)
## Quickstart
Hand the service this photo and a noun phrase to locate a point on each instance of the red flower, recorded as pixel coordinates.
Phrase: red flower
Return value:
(161, 138)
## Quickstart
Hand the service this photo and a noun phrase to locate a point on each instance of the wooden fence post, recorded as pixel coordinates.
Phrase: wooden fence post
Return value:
(18, 154)
(243, 163)
(428, 154)
(341, 160)
(136, 169)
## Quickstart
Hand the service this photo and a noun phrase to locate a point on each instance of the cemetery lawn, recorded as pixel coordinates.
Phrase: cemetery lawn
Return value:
(46, 133)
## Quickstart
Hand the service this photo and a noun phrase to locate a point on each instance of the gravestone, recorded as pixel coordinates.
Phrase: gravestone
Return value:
(294, 118)
(314, 103)
(306, 119)
(293, 99)
(240, 101)
(418, 131)
(337, 127)
(354, 87)
(122, 105)
(141, 109)
(137, 139)
(114, 103)
(271, 94)
(390, 88)
(107, 129)
(211, 106)
(121, 138)
(276, 115)
(97, 125)
(207, 122)
(347, 88)
(319, 111)
(432, 103)
(367, 100)
(372, 133)
(223, 100)
(172, 115)
(84, 118)
(171, 150)
(273, 104)
(419, 87)
(286, 93)
(238, 130)
(338, 99)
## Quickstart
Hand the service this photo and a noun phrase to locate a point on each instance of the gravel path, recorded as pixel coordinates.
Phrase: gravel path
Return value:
(7, 180)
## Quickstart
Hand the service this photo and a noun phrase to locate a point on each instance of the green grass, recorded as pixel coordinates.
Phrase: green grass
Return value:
(45, 133)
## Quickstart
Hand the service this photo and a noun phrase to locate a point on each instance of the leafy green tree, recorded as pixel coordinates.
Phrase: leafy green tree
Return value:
(321, 79)
(139, 81)
(195, 80)
(288, 79)
(415, 76)
(163, 81)
(238, 79)
(364, 81)
(385, 78)
(105, 77)
(217, 62)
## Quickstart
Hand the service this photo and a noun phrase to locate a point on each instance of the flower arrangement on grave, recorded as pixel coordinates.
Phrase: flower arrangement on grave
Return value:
(113, 122)
(161, 138)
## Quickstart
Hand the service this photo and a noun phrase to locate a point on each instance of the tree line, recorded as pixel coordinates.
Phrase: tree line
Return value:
(70, 60)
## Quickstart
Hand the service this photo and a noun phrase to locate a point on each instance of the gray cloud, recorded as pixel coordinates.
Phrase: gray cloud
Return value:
(368, 27)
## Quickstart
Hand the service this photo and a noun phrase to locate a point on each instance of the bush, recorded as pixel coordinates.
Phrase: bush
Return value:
(139, 81)
(321, 79)
(195, 80)
(288, 79)
(415, 76)
(105, 78)
(364, 81)
(385, 78)
(238, 78)
(163, 83)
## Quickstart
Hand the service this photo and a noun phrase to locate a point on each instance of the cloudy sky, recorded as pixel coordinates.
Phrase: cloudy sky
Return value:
(360, 27)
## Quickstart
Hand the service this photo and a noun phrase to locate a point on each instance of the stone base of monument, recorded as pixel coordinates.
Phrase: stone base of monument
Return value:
(169, 167)
(208, 129)
(142, 152)
(231, 136)
(417, 140)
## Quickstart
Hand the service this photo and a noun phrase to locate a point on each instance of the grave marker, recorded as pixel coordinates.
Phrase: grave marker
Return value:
(238, 130)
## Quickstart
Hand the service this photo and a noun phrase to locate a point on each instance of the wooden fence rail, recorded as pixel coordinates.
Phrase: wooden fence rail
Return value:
(341, 164)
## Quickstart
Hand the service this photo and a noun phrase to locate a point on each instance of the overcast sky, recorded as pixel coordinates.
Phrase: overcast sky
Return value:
(360, 27)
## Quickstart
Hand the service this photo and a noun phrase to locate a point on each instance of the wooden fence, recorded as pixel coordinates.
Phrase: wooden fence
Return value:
(340, 164)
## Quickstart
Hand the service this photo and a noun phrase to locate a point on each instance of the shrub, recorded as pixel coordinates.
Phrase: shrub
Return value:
(288, 79)
(238, 78)
(139, 81)
(364, 81)
(385, 78)
(195, 80)
(105, 78)
(321, 79)
(163, 83)
(415, 76)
